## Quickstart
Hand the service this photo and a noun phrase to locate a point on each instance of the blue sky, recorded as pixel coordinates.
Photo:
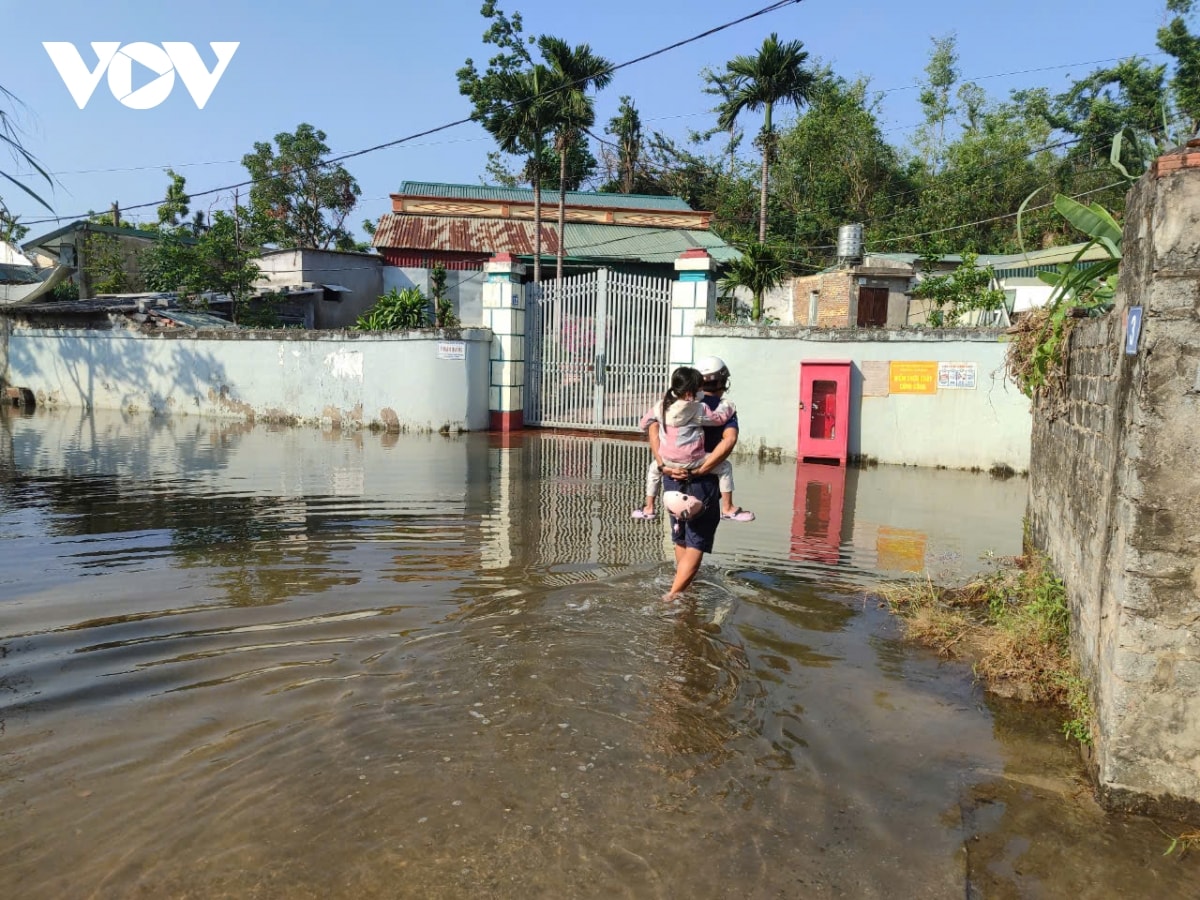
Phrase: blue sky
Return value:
(371, 72)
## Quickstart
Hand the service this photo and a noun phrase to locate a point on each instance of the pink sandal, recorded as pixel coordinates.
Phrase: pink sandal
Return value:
(739, 515)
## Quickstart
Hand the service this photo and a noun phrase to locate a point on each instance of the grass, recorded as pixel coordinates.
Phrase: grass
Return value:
(1182, 843)
(1014, 624)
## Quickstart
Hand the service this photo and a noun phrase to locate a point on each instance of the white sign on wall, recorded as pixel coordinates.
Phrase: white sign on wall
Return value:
(960, 375)
(451, 350)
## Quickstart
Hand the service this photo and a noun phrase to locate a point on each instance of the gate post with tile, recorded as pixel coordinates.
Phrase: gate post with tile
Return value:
(693, 300)
(504, 314)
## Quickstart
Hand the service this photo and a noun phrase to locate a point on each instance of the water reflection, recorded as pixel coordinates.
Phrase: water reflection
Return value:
(283, 662)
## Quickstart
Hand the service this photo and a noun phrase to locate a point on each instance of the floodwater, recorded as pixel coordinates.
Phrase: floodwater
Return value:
(240, 661)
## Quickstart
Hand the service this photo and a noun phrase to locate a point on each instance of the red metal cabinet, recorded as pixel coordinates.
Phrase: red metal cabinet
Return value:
(824, 409)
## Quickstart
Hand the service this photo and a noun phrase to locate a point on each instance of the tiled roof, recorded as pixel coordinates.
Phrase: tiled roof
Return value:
(465, 234)
(525, 195)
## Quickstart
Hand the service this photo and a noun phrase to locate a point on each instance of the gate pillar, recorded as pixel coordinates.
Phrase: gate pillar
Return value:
(693, 299)
(504, 314)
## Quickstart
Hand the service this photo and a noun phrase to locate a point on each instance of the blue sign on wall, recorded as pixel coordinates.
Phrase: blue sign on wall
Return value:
(1133, 329)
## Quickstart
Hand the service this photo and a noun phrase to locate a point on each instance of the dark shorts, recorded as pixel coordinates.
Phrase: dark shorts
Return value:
(699, 532)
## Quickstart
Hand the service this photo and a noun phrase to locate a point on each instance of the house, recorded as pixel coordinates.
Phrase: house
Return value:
(21, 281)
(70, 246)
(462, 226)
(876, 291)
(339, 285)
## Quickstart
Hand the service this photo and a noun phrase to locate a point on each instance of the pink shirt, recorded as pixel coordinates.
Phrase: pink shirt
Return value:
(681, 427)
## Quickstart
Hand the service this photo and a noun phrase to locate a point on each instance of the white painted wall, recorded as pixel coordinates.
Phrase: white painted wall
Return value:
(959, 429)
(360, 272)
(363, 379)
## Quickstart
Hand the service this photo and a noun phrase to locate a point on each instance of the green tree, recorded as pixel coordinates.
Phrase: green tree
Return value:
(759, 268)
(576, 70)
(297, 200)
(776, 74)
(626, 129)
(937, 94)
(967, 289)
(216, 259)
(11, 229)
(1175, 39)
(834, 166)
(508, 102)
(176, 204)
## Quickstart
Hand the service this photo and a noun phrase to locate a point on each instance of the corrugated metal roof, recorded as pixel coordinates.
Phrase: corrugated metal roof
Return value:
(610, 242)
(525, 195)
(1049, 257)
(461, 234)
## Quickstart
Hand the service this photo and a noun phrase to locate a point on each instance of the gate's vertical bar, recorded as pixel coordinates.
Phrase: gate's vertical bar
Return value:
(601, 325)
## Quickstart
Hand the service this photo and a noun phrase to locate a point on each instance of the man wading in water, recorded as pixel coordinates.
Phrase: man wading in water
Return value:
(693, 536)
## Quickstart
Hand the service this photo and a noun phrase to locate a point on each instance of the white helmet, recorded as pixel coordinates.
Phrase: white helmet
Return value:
(714, 372)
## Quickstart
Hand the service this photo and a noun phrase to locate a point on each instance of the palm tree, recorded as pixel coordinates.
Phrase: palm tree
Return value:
(576, 69)
(10, 140)
(759, 268)
(776, 74)
(520, 126)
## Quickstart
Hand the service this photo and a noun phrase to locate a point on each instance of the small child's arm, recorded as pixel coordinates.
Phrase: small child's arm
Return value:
(719, 416)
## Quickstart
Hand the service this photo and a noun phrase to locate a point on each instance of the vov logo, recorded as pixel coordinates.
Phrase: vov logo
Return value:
(164, 61)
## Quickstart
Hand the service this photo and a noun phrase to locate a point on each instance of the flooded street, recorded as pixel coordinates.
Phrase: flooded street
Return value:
(245, 661)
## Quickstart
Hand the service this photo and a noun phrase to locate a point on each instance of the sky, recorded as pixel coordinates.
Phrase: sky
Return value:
(367, 73)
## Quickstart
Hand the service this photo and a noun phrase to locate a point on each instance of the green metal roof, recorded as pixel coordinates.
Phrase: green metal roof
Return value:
(84, 225)
(652, 245)
(525, 195)
(1010, 263)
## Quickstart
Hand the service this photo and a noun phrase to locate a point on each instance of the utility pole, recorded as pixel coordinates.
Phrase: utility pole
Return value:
(237, 243)
(116, 215)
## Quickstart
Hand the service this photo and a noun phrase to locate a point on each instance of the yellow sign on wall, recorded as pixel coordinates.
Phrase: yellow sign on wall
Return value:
(908, 377)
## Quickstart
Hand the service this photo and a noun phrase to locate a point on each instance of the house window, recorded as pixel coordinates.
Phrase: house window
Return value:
(813, 296)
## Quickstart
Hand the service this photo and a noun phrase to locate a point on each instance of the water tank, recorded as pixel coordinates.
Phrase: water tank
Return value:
(850, 242)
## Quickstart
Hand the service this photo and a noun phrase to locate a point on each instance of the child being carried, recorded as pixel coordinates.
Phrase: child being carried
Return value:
(682, 418)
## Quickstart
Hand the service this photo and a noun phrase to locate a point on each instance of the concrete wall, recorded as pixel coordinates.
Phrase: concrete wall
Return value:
(464, 287)
(956, 428)
(1115, 502)
(346, 379)
(360, 272)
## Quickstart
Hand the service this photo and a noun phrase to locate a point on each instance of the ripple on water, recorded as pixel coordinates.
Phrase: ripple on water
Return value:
(296, 663)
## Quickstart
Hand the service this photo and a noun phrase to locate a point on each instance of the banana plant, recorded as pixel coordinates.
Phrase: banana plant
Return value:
(1092, 288)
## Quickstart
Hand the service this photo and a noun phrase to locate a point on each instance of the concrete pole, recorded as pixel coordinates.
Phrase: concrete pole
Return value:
(693, 300)
(504, 314)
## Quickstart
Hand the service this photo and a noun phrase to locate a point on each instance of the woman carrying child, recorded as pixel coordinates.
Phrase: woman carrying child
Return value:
(692, 492)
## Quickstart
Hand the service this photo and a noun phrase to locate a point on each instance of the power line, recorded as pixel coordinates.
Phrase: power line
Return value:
(1094, 62)
(908, 237)
(774, 7)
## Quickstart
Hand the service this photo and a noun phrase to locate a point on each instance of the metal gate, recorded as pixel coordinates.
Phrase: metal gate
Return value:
(597, 350)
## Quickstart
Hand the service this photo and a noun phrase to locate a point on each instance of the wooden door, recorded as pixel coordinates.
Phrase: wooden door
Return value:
(872, 307)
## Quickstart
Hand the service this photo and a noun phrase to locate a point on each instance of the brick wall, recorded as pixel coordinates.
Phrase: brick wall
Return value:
(833, 301)
(1115, 502)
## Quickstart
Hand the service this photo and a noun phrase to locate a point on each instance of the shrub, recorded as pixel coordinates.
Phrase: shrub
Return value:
(396, 311)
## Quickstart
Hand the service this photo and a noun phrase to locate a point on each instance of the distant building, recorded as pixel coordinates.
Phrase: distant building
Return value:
(877, 291)
(461, 226)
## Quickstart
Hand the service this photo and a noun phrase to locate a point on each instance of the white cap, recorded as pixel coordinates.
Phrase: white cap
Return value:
(711, 365)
